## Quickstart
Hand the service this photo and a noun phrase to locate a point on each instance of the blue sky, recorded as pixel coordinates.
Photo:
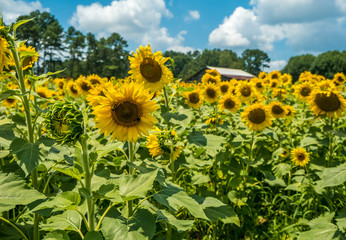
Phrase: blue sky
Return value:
(282, 28)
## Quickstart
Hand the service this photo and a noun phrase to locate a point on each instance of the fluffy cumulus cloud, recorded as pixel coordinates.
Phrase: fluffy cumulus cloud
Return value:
(304, 25)
(12, 9)
(135, 20)
(193, 15)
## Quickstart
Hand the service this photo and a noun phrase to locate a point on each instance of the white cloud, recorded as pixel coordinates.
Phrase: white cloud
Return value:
(193, 15)
(304, 25)
(12, 9)
(276, 65)
(135, 20)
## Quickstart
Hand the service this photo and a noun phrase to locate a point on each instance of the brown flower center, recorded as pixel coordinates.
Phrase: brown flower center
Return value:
(85, 86)
(259, 85)
(211, 93)
(150, 70)
(245, 91)
(194, 97)
(340, 79)
(276, 109)
(10, 100)
(275, 76)
(327, 103)
(94, 81)
(300, 156)
(42, 94)
(73, 89)
(257, 115)
(212, 80)
(126, 114)
(229, 104)
(305, 91)
(224, 88)
(61, 85)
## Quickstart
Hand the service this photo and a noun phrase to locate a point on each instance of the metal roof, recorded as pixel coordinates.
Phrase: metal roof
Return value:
(232, 72)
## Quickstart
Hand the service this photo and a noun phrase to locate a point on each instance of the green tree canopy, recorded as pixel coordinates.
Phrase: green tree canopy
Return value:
(298, 64)
(255, 60)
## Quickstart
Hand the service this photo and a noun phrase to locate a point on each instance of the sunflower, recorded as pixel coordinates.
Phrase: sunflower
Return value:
(277, 110)
(229, 102)
(94, 80)
(274, 83)
(149, 68)
(73, 89)
(9, 102)
(257, 116)
(208, 78)
(286, 79)
(98, 92)
(43, 92)
(303, 91)
(290, 111)
(124, 112)
(4, 54)
(161, 142)
(274, 75)
(214, 120)
(211, 92)
(83, 85)
(213, 72)
(60, 84)
(299, 156)
(326, 85)
(258, 83)
(28, 56)
(224, 87)
(262, 75)
(330, 103)
(194, 98)
(339, 78)
(245, 91)
(280, 93)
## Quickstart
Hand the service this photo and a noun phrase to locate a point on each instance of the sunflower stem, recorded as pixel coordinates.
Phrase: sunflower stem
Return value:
(251, 145)
(15, 227)
(165, 94)
(330, 157)
(171, 159)
(129, 204)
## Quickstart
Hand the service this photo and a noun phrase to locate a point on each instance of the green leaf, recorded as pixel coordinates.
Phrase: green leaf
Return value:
(20, 22)
(215, 209)
(341, 220)
(180, 225)
(62, 201)
(210, 142)
(176, 198)
(307, 141)
(13, 191)
(57, 235)
(140, 226)
(27, 153)
(68, 220)
(9, 93)
(136, 186)
(273, 180)
(6, 131)
(69, 171)
(321, 228)
(334, 176)
(93, 236)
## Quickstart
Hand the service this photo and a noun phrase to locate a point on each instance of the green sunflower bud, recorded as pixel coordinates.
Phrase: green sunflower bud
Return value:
(64, 122)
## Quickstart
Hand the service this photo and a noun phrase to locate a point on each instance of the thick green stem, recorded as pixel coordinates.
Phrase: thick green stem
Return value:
(171, 160)
(165, 94)
(87, 182)
(15, 227)
(251, 146)
(330, 157)
(129, 204)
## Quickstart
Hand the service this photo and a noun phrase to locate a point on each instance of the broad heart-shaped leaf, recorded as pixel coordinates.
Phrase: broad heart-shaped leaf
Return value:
(140, 226)
(215, 209)
(57, 235)
(175, 198)
(6, 131)
(334, 176)
(93, 236)
(136, 186)
(321, 228)
(69, 171)
(273, 180)
(63, 201)
(68, 220)
(212, 143)
(180, 225)
(13, 191)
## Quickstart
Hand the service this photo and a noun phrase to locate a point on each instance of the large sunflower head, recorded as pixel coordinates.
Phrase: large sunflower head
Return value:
(277, 110)
(224, 87)
(299, 156)
(149, 68)
(303, 91)
(194, 98)
(229, 102)
(73, 89)
(44, 92)
(257, 116)
(245, 91)
(28, 56)
(211, 93)
(124, 112)
(329, 103)
(209, 78)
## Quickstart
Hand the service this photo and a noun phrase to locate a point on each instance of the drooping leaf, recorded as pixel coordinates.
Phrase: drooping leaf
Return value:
(57, 235)
(334, 176)
(6, 131)
(140, 226)
(180, 225)
(63, 200)
(68, 220)
(273, 180)
(13, 191)
(69, 171)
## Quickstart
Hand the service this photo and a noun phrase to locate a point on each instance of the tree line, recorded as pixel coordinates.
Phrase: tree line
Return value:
(84, 54)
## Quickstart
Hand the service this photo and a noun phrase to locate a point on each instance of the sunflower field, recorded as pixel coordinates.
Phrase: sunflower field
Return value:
(153, 157)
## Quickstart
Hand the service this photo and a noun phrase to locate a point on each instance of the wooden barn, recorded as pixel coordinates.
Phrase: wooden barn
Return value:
(226, 74)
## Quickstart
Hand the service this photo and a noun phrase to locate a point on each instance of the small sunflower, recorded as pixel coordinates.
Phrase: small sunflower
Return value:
(303, 91)
(94, 80)
(299, 156)
(9, 102)
(257, 116)
(97, 93)
(83, 85)
(73, 89)
(286, 79)
(4, 54)
(44, 92)
(211, 93)
(213, 72)
(150, 68)
(290, 111)
(124, 112)
(214, 120)
(274, 75)
(280, 93)
(339, 78)
(224, 87)
(277, 110)
(330, 103)
(326, 85)
(258, 83)
(245, 91)
(28, 56)
(262, 75)
(60, 84)
(208, 78)
(194, 98)
(274, 83)
(230, 103)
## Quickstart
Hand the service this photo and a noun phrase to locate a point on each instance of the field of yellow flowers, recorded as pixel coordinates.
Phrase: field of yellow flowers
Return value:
(153, 157)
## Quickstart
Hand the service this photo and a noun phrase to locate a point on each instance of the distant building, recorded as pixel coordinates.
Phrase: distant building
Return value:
(226, 74)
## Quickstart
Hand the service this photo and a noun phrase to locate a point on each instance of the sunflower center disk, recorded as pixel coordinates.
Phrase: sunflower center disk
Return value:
(125, 114)
(73, 89)
(305, 91)
(300, 156)
(257, 116)
(277, 110)
(94, 81)
(10, 100)
(224, 88)
(194, 97)
(229, 104)
(211, 93)
(150, 70)
(327, 104)
(85, 87)
(211, 80)
(245, 91)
